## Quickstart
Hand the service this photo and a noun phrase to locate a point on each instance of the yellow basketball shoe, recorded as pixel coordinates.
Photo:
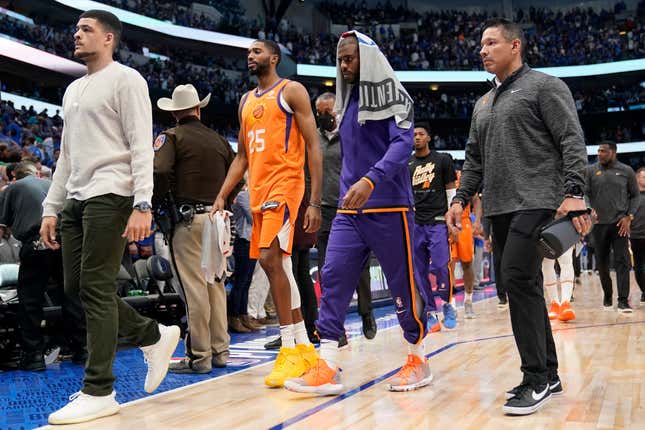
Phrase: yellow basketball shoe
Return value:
(288, 364)
(309, 355)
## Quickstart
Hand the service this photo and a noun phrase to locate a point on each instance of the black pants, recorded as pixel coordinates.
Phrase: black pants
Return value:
(515, 241)
(364, 289)
(497, 268)
(638, 249)
(605, 238)
(244, 267)
(499, 283)
(576, 263)
(308, 301)
(36, 269)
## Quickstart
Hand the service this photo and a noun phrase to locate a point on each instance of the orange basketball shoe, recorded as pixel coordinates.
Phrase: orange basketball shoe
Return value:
(320, 379)
(566, 313)
(414, 374)
(554, 311)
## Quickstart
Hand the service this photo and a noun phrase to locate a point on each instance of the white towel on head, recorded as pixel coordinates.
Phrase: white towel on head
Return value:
(381, 95)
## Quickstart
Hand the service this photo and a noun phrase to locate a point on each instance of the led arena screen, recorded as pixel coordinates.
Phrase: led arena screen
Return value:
(480, 76)
(164, 27)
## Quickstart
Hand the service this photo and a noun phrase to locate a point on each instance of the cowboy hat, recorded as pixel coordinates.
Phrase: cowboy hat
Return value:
(183, 97)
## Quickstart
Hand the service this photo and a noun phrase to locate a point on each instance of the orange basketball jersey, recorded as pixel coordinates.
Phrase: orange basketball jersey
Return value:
(275, 149)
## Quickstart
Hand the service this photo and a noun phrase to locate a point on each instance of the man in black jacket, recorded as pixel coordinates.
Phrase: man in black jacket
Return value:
(612, 192)
(527, 147)
(637, 237)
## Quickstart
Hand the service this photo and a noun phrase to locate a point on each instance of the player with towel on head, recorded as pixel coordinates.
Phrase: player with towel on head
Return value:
(375, 214)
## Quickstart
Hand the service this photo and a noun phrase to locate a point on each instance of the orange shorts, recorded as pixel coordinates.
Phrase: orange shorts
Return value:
(269, 224)
(463, 248)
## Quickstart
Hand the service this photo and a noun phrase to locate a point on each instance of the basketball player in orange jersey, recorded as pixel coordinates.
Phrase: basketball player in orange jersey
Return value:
(462, 248)
(276, 123)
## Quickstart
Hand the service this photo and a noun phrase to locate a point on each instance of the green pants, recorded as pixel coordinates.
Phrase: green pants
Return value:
(92, 249)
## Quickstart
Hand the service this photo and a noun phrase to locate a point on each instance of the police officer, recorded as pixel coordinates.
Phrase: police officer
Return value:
(191, 161)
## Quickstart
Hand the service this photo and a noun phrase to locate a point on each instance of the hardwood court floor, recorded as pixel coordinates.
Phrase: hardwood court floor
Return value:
(602, 366)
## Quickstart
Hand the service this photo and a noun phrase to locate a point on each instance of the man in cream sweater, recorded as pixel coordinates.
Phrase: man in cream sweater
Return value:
(102, 189)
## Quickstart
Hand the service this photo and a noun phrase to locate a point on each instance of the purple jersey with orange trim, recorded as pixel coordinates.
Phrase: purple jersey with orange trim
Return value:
(379, 151)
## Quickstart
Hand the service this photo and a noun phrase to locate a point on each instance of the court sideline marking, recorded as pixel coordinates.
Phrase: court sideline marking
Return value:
(367, 385)
(256, 366)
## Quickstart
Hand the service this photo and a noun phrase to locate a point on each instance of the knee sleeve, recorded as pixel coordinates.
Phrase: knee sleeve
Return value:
(295, 294)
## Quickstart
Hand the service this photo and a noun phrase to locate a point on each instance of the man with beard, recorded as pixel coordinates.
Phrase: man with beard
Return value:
(102, 188)
(331, 154)
(613, 194)
(375, 213)
(276, 125)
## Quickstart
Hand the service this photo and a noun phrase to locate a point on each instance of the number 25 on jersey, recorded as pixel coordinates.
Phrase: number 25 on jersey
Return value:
(256, 140)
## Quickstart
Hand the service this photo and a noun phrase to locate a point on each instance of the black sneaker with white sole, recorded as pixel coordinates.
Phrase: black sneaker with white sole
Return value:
(527, 400)
(624, 308)
(555, 385)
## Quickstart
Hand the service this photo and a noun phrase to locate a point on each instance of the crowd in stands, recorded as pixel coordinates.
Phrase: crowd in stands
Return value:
(180, 13)
(442, 40)
(26, 134)
(204, 71)
(29, 135)
(448, 39)
(614, 98)
(438, 105)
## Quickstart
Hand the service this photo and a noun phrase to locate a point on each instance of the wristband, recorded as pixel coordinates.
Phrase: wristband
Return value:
(315, 205)
(369, 182)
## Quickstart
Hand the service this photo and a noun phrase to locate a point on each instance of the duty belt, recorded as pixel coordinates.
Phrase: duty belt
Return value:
(195, 209)
(188, 211)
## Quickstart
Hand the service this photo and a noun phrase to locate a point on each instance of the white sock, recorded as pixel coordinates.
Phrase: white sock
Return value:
(419, 350)
(552, 292)
(287, 335)
(468, 297)
(300, 332)
(329, 352)
(567, 291)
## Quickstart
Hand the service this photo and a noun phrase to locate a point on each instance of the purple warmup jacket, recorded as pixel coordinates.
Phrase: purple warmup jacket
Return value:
(379, 151)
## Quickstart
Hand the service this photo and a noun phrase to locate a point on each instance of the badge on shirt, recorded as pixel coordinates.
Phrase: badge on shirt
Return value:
(159, 142)
(598, 172)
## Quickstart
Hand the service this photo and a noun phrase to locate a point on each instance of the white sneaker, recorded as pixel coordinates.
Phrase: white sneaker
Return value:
(157, 356)
(84, 407)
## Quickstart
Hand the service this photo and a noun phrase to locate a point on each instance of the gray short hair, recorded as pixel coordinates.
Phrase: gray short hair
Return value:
(326, 96)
